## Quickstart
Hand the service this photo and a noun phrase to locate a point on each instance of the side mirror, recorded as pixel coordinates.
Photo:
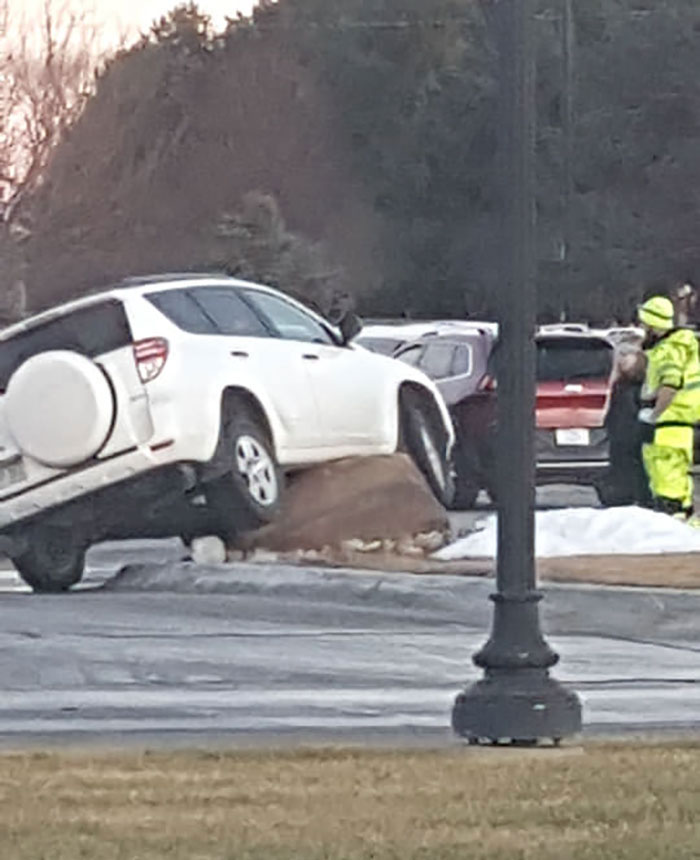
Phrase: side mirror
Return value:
(350, 326)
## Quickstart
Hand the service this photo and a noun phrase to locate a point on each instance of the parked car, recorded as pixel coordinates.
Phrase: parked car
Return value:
(573, 393)
(621, 334)
(388, 337)
(459, 363)
(175, 403)
(385, 338)
(573, 388)
(563, 327)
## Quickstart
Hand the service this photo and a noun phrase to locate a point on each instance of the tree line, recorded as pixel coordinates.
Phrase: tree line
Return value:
(343, 145)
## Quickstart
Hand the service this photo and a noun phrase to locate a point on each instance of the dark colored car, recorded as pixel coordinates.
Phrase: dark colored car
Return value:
(573, 390)
(459, 363)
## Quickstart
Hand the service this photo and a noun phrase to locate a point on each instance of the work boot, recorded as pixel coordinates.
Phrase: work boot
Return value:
(672, 507)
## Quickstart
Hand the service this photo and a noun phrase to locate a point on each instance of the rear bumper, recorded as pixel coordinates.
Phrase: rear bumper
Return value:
(85, 482)
(580, 464)
(587, 472)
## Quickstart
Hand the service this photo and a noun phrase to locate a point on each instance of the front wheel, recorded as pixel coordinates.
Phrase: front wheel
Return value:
(248, 494)
(53, 560)
(424, 441)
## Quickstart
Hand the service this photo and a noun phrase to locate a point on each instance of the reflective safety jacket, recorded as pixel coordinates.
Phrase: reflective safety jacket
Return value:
(674, 361)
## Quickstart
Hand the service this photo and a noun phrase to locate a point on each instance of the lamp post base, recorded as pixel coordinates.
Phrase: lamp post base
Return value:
(520, 706)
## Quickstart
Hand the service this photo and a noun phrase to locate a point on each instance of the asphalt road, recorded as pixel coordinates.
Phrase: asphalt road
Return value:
(155, 650)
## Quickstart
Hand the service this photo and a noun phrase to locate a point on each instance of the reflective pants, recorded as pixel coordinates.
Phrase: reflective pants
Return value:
(668, 466)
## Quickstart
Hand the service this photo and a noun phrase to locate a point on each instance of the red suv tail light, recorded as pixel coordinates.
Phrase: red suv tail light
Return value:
(488, 383)
(150, 356)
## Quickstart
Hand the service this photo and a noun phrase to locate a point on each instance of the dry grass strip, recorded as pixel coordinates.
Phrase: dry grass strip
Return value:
(641, 571)
(644, 571)
(628, 802)
(667, 570)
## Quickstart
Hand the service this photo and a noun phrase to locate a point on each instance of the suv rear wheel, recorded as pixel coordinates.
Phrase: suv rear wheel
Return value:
(248, 494)
(52, 561)
(421, 439)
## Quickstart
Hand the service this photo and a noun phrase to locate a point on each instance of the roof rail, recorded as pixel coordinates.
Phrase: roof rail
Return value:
(142, 280)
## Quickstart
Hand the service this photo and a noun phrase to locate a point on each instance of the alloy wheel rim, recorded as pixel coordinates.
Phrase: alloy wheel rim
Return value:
(432, 453)
(255, 466)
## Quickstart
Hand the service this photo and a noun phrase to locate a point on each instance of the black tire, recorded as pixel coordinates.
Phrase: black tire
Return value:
(248, 493)
(53, 560)
(423, 441)
(467, 484)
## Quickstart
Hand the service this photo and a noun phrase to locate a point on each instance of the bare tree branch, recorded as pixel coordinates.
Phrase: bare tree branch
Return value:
(46, 74)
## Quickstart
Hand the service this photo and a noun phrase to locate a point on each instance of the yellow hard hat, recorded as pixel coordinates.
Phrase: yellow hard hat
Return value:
(657, 313)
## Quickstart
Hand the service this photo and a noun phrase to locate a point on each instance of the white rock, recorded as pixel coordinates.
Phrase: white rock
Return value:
(407, 547)
(371, 546)
(352, 545)
(263, 556)
(208, 550)
(429, 541)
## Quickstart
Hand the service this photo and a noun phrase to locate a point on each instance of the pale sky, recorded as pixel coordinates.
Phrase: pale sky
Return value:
(128, 17)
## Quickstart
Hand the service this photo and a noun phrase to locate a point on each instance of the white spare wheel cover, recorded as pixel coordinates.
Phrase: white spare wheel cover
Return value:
(59, 408)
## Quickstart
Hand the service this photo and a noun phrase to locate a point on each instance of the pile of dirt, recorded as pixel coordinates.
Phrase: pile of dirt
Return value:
(362, 505)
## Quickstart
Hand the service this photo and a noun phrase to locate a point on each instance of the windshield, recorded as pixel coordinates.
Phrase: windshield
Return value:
(383, 345)
(565, 360)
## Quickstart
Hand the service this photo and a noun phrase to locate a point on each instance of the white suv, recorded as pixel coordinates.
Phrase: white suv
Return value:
(173, 405)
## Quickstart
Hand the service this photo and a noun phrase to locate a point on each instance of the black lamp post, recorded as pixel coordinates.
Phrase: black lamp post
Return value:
(516, 700)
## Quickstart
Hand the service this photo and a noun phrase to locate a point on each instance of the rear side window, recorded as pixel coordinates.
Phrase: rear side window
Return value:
(231, 315)
(437, 360)
(462, 361)
(571, 359)
(91, 331)
(180, 308)
(209, 310)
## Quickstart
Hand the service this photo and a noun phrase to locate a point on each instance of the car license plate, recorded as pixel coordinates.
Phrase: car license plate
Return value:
(573, 436)
(12, 473)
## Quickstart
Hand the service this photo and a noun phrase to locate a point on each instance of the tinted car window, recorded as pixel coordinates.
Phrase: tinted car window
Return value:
(437, 360)
(383, 345)
(411, 355)
(91, 331)
(567, 360)
(180, 308)
(231, 315)
(288, 321)
(462, 361)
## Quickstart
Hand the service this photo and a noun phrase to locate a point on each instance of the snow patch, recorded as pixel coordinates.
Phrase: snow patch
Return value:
(587, 531)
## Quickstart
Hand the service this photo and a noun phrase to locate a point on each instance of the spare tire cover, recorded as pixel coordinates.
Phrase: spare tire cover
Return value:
(59, 408)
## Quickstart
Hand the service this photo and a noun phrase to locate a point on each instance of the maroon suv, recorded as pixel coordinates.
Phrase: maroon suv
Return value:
(573, 390)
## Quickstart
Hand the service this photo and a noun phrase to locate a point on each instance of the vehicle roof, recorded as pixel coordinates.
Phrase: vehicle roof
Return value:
(453, 336)
(573, 336)
(406, 331)
(546, 328)
(140, 285)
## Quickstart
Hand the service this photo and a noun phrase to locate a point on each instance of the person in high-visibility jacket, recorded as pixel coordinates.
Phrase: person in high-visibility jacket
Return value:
(671, 406)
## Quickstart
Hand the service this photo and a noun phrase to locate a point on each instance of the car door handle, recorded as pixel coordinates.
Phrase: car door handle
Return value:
(239, 353)
(309, 356)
